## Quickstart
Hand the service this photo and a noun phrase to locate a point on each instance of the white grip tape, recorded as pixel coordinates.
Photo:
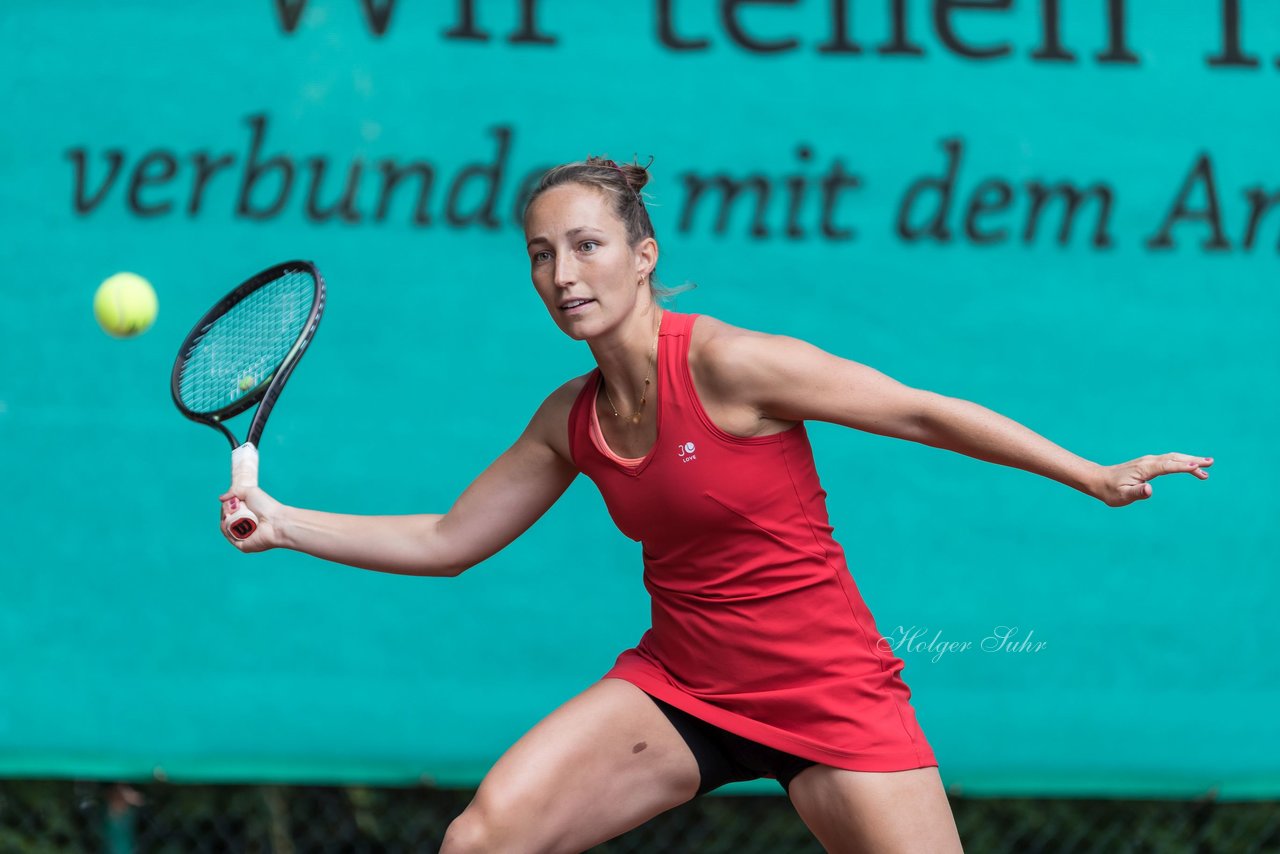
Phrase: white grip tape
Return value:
(244, 474)
(244, 466)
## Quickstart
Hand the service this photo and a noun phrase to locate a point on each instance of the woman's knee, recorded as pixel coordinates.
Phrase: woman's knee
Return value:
(472, 833)
(506, 815)
(486, 827)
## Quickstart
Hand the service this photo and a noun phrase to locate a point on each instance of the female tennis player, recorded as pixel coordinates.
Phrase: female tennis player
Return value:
(762, 660)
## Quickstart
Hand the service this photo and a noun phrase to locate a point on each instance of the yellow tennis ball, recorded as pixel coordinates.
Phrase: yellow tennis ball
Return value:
(247, 382)
(125, 305)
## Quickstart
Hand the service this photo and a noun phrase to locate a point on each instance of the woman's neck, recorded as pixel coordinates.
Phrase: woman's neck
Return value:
(626, 357)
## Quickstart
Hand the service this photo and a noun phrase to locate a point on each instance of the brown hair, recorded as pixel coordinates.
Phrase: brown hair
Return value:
(621, 184)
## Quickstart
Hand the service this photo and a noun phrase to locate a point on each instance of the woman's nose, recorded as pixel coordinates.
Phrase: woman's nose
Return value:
(566, 272)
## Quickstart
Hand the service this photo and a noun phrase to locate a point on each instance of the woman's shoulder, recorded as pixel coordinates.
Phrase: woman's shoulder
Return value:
(707, 328)
(560, 401)
(552, 417)
(723, 360)
(715, 345)
(568, 391)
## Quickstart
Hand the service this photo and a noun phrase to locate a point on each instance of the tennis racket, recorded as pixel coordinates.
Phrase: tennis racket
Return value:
(241, 353)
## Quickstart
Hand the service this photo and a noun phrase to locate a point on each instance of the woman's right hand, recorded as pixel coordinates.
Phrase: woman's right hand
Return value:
(267, 509)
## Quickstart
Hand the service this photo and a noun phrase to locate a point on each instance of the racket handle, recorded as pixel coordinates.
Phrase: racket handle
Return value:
(244, 473)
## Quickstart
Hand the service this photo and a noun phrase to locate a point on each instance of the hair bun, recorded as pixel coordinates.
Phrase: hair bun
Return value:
(635, 175)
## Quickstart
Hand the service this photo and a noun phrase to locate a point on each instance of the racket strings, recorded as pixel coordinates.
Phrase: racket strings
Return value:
(241, 349)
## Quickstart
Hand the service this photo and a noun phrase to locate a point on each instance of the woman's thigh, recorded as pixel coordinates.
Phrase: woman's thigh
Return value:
(863, 811)
(604, 762)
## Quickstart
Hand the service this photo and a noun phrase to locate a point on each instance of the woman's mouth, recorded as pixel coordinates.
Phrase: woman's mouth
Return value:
(576, 306)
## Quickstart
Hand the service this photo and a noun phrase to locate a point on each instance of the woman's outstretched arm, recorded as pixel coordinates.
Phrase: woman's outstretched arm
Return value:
(499, 505)
(786, 378)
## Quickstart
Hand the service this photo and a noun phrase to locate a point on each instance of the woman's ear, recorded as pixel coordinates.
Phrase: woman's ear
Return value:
(647, 256)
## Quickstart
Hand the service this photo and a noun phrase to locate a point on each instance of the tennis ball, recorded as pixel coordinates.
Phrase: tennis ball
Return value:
(246, 382)
(125, 305)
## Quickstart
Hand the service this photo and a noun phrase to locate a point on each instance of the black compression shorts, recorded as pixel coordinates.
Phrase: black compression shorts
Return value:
(724, 757)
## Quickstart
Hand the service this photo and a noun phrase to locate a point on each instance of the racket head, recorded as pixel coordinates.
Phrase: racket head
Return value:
(244, 348)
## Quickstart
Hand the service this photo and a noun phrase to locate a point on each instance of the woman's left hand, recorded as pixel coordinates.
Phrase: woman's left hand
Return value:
(1126, 483)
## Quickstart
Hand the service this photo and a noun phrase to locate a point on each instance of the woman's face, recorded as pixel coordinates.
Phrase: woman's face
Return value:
(578, 251)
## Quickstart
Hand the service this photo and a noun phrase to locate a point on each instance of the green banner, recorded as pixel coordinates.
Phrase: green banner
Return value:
(1066, 213)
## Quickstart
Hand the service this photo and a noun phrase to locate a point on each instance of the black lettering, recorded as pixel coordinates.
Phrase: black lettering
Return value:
(168, 168)
(1118, 52)
(378, 16)
(729, 16)
(1232, 55)
(942, 11)
(1042, 194)
(493, 174)
(899, 46)
(1259, 204)
(835, 181)
(253, 171)
(345, 206)
(1052, 49)
(465, 29)
(696, 186)
(290, 12)
(978, 206)
(204, 171)
(79, 156)
(839, 42)
(393, 175)
(667, 34)
(796, 185)
(528, 33)
(1201, 172)
(937, 226)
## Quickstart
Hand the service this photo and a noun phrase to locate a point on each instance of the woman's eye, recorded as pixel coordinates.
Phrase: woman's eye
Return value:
(589, 243)
(538, 256)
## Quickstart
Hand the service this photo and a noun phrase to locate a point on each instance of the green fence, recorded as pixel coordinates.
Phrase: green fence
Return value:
(62, 816)
(1063, 212)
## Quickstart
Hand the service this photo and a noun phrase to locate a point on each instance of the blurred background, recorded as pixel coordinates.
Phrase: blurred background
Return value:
(1064, 212)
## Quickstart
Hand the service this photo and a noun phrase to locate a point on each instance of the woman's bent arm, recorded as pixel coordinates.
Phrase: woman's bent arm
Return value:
(503, 502)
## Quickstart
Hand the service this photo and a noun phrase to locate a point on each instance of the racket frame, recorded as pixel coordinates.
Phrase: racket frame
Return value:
(268, 391)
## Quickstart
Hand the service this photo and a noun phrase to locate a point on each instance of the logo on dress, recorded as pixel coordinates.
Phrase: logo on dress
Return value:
(685, 451)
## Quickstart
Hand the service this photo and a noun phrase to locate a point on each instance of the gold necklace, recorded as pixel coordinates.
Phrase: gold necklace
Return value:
(634, 418)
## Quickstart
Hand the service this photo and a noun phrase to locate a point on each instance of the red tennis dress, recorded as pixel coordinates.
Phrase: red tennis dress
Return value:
(758, 627)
